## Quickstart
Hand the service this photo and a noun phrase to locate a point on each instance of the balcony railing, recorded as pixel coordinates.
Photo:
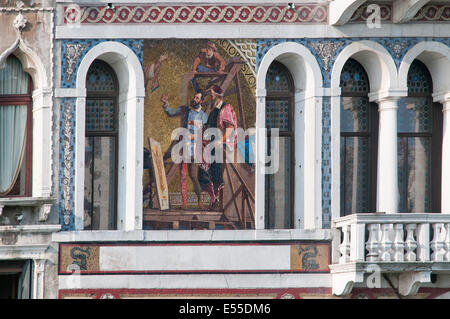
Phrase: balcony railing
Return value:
(396, 243)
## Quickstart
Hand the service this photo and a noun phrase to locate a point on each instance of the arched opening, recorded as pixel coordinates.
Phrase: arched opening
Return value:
(129, 76)
(15, 129)
(419, 124)
(101, 147)
(279, 188)
(359, 138)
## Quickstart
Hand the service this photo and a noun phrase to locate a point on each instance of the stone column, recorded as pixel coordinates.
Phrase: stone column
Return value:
(259, 159)
(387, 179)
(445, 189)
(38, 278)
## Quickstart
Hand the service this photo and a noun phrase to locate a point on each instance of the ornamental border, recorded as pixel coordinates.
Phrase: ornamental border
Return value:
(301, 13)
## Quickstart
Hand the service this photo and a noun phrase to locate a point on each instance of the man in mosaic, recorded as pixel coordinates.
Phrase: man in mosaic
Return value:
(222, 117)
(192, 118)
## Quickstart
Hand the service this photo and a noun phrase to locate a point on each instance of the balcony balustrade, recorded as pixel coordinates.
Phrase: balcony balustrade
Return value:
(410, 245)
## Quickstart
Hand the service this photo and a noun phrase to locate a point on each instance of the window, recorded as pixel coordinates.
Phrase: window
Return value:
(15, 279)
(101, 144)
(419, 123)
(279, 199)
(15, 129)
(359, 132)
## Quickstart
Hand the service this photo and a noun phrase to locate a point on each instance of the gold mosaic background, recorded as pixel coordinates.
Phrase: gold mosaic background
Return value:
(181, 54)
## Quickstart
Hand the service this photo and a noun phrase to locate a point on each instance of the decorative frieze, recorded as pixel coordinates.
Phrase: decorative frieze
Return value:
(67, 158)
(73, 52)
(433, 12)
(362, 14)
(326, 162)
(301, 13)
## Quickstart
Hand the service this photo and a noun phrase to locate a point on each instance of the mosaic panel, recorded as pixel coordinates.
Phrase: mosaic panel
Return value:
(326, 163)
(67, 159)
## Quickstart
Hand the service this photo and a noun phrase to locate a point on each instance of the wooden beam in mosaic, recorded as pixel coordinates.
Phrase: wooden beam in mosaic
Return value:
(246, 50)
(301, 13)
(433, 12)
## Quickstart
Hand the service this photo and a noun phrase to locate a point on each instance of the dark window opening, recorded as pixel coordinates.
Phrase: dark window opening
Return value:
(359, 142)
(101, 148)
(419, 123)
(16, 130)
(279, 189)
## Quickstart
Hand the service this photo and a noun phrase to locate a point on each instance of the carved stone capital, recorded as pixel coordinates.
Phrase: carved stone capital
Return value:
(20, 22)
(44, 211)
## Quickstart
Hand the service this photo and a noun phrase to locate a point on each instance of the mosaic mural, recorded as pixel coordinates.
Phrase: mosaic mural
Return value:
(198, 85)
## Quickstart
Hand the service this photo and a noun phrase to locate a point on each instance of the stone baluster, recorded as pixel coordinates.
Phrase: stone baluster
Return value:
(386, 243)
(399, 244)
(437, 244)
(372, 244)
(423, 242)
(410, 243)
(344, 248)
(447, 242)
(357, 249)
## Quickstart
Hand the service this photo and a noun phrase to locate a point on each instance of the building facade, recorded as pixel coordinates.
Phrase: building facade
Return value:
(331, 116)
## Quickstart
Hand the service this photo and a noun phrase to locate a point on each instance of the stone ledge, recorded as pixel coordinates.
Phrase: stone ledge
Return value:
(42, 204)
(194, 235)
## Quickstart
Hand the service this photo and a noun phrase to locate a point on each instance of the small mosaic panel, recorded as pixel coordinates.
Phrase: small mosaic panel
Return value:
(100, 115)
(78, 258)
(277, 80)
(354, 78)
(310, 257)
(419, 80)
(277, 114)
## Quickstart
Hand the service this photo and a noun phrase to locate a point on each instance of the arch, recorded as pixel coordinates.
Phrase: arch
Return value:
(31, 63)
(308, 91)
(375, 59)
(33, 66)
(301, 64)
(123, 61)
(42, 110)
(130, 76)
(436, 57)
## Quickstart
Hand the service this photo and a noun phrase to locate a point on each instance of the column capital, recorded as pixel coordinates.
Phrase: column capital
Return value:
(441, 97)
(261, 93)
(388, 103)
(387, 95)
